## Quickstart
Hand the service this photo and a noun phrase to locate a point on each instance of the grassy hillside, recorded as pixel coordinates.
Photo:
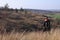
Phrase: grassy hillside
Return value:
(22, 20)
(19, 21)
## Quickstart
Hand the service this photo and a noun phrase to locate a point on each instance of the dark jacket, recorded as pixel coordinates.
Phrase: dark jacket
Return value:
(47, 25)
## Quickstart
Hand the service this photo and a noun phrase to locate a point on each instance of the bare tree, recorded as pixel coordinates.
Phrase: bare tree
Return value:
(6, 6)
(21, 9)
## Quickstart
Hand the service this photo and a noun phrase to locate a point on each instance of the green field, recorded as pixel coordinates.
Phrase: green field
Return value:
(55, 16)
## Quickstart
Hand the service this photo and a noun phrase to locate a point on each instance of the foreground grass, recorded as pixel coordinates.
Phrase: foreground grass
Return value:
(53, 35)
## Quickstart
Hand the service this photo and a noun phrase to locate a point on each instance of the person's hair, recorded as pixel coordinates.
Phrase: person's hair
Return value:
(46, 17)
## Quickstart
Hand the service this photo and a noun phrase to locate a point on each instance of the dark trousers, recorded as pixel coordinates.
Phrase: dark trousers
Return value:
(47, 28)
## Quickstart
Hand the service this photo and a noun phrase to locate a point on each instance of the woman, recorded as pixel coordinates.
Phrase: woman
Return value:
(47, 24)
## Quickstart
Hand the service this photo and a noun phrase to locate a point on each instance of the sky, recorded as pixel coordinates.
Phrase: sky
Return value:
(32, 4)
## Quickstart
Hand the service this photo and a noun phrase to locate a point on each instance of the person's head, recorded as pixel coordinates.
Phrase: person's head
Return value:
(46, 18)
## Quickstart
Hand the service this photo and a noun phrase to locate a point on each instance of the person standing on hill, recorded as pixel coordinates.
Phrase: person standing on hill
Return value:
(47, 26)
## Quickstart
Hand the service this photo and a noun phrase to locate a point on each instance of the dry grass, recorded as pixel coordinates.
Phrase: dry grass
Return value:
(53, 35)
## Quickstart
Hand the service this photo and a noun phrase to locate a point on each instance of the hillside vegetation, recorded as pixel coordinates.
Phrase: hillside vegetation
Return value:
(22, 20)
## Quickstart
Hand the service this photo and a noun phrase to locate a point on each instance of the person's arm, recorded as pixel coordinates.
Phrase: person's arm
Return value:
(44, 24)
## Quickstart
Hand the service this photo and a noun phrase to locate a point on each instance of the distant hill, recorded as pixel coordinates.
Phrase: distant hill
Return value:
(43, 11)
